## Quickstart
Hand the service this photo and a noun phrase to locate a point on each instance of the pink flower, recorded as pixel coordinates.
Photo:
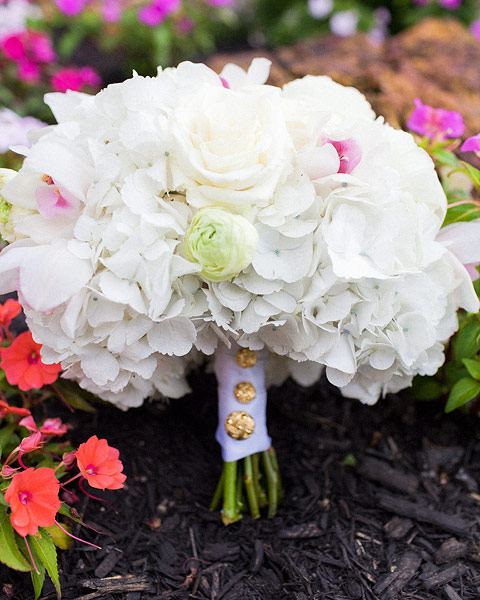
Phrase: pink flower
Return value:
(349, 153)
(28, 423)
(41, 47)
(31, 443)
(98, 463)
(450, 4)
(33, 499)
(472, 144)
(155, 13)
(463, 240)
(111, 11)
(475, 28)
(435, 123)
(23, 365)
(75, 79)
(28, 71)
(71, 7)
(13, 46)
(53, 427)
(52, 202)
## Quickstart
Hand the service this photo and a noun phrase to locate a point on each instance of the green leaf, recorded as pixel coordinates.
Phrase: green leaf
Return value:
(473, 367)
(445, 158)
(38, 579)
(466, 343)
(5, 434)
(426, 388)
(9, 551)
(59, 537)
(74, 396)
(349, 461)
(462, 392)
(3, 502)
(47, 553)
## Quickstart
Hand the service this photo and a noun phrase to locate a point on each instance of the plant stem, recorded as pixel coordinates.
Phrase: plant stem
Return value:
(217, 496)
(230, 513)
(240, 498)
(250, 487)
(274, 461)
(272, 479)
(260, 492)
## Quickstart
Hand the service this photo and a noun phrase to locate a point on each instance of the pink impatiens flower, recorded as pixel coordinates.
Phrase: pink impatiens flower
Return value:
(71, 8)
(155, 13)
(435, 123)
(75, 79)
(472, 144)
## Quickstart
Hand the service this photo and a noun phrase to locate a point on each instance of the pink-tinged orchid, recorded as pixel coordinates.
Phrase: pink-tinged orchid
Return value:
(349, 154)
(435, 123)
(463, 240)
(472, 144)
(53, 427)
(155, 13)
(52, 202)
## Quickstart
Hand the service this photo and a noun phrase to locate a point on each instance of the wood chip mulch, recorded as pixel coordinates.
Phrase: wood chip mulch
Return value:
(400, 523)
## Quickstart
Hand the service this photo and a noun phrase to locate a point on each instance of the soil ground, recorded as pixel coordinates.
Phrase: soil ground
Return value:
(403, 522)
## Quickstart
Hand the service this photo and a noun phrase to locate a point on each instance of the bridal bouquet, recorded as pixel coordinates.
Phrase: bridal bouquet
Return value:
(190, 214)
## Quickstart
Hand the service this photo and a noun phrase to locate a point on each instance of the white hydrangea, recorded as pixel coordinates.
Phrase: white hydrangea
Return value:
(347, 273)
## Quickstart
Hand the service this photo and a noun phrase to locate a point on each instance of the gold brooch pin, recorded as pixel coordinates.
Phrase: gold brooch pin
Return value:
(244, 392)
(246, 358)
(239, 425)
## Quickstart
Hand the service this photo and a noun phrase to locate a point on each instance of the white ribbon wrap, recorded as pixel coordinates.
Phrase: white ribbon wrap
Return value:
(229, 374)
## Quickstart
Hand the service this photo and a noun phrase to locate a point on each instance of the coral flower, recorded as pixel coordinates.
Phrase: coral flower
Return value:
(6, 409)
(33, 498)
(9, 311)
(23, 365)
(98, 463)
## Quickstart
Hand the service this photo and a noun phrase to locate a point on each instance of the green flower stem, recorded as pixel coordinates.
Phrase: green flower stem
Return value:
(260, 492)
(272, 479)
(230, 512)
(218, 495)
(274, 462)
(250, 487)
(240, 499)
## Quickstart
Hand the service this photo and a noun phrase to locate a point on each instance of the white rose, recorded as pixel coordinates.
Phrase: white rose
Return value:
(230, 148)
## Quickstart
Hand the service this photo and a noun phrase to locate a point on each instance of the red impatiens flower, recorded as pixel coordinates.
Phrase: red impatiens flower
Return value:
(33, 498)
(23, 365)
(8, 311)
(6, 409)
(98, 463)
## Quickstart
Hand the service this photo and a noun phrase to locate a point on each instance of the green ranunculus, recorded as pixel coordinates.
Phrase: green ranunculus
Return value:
(222, 242)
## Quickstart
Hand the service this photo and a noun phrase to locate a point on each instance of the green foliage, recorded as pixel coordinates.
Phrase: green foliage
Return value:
(9, 551)
(44, 547)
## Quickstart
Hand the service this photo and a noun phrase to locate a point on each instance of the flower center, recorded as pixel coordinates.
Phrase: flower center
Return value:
(24, 497)
(33, 358)
(91, 470)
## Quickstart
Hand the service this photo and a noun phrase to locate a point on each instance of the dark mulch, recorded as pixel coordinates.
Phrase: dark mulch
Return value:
(402, 523)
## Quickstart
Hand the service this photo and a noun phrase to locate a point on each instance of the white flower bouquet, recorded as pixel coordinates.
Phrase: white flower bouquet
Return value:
(192, 214)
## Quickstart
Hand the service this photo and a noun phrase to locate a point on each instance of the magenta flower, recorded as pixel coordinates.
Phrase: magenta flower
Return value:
(450, 4)
(349, 153)
(155, 13)
(475, 28)
(13, 46)
(41, 47)
(471, 144)
(28, 71)
(71, 7)
(435, 123)
(75, 79)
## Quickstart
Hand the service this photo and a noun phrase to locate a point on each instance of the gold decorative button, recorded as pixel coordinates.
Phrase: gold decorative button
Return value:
(244, 392)
(246, 358)
(239, 425)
